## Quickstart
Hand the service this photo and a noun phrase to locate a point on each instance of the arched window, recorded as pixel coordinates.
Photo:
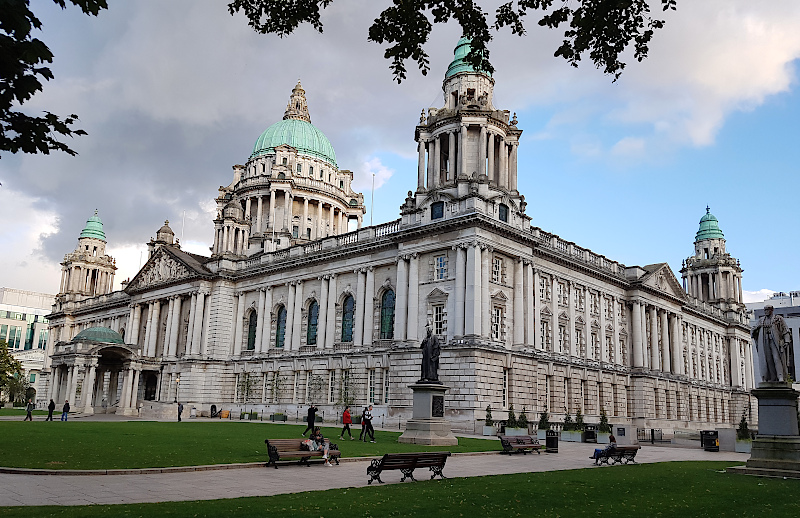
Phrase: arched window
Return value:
(348, 308)
(251, 331)
(313, 318)
(387, 315)
(280, 329)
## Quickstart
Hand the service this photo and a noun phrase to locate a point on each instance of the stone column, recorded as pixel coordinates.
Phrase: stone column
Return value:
(168, 328)
(322, 320)
(462, 149)
(437, 160)
(259, 214)
(413, 320)
(421, 164)
(636, 330)
(519, 310)
(298, 314)
(190, 329)
(148, 330)
(156, 325)
(537, 311)
(287, 211)
(554, 310)
(401, 302)
(665, 354)
(486, 301)
(331, 231)
(654, 356)
(369, 306)
(512, 167)
(290, 309)
(304, 223)
(451, 156)
(135, 388)
(601, 298)
(358, 327)
(265, 317)
(197, 332)
(461, 277)
(330, 320)
(261, 320)
(530, 294)
(614, 303)
(431, 153)
(247, 208)
(176, 320)
(125, 397)
(320, 233)
(482, 151)
(739, 283)
(472, 319)
(503, 165)
(491, 172)
(88, 389)
(238, 326)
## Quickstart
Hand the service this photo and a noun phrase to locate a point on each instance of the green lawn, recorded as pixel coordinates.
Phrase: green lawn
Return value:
(137, 444)
(21, 412)
(680, 489)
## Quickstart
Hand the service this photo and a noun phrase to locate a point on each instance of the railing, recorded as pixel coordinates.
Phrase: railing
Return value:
(387, 228)
(553, 242)
(347, 239)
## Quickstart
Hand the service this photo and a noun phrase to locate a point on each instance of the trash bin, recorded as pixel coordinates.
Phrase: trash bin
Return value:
(551, 442)
(709, 440)
(193, 413)
(590, 433)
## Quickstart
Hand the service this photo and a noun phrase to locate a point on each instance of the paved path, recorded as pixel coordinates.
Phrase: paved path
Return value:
(233, 483)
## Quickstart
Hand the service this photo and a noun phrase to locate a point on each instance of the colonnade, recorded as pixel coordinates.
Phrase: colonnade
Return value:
(98, 384)
(709, 286)
(166, 343)
(86, 280)
(495, 157)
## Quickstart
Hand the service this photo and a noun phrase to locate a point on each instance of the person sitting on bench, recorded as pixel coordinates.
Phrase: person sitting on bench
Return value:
(612, 443)
(320, 444)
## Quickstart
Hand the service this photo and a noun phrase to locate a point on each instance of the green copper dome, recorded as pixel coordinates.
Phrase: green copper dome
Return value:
(458, 64)
(94, 228)
(299, 134)
(99, 334)
(709, 227)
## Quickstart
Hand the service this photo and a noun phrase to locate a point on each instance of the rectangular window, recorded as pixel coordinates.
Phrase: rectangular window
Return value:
(503, 213)
(341, 184)
(594, 306)
(437, 210)
(562, 338)
(42, 338)
(543, 288)
(14, 336)
(595, 347)
(372, 386)
(563, 294)
(331, 387)
(545, 331)
(578, 340)
(3, 332)
(33, 377)
(505, 388)
(285, 161)
(386, 386)
(497, 323)
(497, 270)
(299, 168)
(440, 267)
(438, 319)
(311, 170)
(295, 231)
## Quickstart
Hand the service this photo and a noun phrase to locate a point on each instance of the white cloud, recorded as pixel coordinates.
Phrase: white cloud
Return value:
(363, 175)
(756, 296)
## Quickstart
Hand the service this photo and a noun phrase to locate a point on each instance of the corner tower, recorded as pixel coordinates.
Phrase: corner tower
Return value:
(711, 274)
(467, 152)
(87, 271)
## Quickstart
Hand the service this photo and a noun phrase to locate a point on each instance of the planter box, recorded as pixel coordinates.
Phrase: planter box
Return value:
(743, 446)
(277, 417)
(489, 430)
(516, 431)
(541, 435)
(603, 437)
(572, 436)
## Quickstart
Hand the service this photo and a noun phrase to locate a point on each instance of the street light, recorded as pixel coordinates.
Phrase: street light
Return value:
(177, 385)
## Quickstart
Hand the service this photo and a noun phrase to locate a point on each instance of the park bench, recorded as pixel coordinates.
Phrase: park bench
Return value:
(616, 455)
(407, 463)
(520, 443)
(289, 449)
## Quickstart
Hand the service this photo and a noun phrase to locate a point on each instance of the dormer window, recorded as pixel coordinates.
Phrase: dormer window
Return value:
(299, 168)
(311, 170)
(285, 161)
(471, 93)
(437, 210)
(503, 213)
(341, 184)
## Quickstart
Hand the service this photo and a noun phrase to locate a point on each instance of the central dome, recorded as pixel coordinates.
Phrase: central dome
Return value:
(299, 134)
(459, 63)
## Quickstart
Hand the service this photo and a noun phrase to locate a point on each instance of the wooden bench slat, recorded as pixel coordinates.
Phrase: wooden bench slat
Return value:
(283, 449)
(407, 463)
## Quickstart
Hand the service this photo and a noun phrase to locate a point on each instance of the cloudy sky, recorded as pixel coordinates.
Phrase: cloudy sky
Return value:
(174, 93)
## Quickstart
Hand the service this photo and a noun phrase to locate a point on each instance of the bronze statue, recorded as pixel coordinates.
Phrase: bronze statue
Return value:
(430, 356)
(772, 337)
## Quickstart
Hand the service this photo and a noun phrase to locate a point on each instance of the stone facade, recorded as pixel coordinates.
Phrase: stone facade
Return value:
(275, 319)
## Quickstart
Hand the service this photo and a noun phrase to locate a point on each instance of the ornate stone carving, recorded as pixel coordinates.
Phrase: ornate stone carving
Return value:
(162, 269)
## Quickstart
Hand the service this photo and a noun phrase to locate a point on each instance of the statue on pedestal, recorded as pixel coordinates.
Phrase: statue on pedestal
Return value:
(772, 337)
(430, 356)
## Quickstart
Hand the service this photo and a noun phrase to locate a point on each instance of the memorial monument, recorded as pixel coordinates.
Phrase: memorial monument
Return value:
(428, 425)
(776, 449)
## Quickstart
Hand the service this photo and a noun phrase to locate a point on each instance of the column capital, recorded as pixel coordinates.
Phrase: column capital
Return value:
(203, 291)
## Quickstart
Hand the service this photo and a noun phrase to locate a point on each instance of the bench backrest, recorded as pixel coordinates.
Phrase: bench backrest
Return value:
(288, 444)
(520, 439)
(414, 460)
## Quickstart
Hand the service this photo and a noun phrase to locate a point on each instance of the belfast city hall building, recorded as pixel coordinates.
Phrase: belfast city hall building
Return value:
(299, 303)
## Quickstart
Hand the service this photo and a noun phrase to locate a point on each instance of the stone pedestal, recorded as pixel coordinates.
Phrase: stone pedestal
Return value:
(427, 425)
(776, 449)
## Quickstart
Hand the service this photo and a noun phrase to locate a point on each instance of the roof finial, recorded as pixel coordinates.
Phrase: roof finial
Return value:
(708, 209)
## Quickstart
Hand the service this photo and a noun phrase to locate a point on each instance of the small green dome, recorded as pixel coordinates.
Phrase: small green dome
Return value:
(94, 228)
(99, 334)
(299, 134)
(458, 64)
(709, 227)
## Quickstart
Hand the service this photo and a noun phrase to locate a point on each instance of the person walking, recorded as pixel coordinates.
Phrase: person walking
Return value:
(347, 420)
(29, 411)
(180, 411)
(363, 424)
(50, 409)
(65, 410)
(368, 429)
(312, 416)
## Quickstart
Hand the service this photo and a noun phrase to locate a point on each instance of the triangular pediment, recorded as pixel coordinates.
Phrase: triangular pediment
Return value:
(660, 277)
(500, 296)
(579, 320)
(437, 294)
(546, 312)
(164, 267)
(563, 316)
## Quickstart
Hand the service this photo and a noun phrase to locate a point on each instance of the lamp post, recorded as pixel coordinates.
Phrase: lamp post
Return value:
(177, 386)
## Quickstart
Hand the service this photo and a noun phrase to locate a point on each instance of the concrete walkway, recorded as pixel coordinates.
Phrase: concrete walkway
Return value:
(233, 483)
